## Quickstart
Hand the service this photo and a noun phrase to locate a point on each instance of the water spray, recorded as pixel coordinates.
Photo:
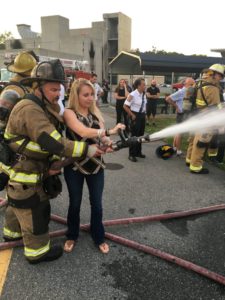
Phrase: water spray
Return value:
(210, 120)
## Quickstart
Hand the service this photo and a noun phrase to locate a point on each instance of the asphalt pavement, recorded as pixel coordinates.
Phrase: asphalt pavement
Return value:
(150, 186)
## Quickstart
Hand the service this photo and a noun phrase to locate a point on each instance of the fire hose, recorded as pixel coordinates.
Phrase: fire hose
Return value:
(124, 142)
(141, 247)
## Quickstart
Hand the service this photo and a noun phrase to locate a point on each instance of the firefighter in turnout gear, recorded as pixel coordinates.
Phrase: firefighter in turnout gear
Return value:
(14, 91)
(34, 126)
(208, 95)
(22, 66)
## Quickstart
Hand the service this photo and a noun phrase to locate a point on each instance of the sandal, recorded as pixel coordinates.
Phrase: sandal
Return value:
(69, 245)
(104, 248)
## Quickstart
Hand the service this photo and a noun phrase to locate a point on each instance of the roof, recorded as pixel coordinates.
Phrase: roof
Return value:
(130, 64)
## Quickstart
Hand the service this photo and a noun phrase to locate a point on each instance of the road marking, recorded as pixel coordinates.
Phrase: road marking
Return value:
(5, 257)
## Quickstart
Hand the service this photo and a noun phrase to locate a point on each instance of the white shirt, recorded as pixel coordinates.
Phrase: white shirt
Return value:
(98, 90)
(136, 101)
(178, 97)
(61, 97)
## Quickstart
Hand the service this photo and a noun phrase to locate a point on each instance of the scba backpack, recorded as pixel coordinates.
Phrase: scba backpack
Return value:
(189, 101)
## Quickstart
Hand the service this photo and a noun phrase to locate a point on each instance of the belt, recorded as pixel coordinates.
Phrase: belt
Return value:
(136, 112)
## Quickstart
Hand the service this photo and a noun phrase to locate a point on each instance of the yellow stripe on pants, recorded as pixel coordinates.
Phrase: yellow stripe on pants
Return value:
(5, 257)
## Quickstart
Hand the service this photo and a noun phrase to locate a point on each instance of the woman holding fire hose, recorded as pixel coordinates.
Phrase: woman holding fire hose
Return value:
(84, 122)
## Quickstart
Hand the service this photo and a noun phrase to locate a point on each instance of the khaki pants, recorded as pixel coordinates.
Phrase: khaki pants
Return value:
(28, 216)
(189, 149)
(199, 146)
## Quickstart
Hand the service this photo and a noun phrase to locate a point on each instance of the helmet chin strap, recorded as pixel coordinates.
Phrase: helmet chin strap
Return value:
(43, 94)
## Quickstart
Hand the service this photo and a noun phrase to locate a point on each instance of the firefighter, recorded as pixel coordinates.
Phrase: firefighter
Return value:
(22, 66)
(34, 125)
(8, 99)
(208, 95)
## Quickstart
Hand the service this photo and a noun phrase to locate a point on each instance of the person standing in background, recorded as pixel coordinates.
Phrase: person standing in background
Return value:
(176, 100)
(135, 106)
(106, 89)
(121, 94)
(98, 90)
(152, 98)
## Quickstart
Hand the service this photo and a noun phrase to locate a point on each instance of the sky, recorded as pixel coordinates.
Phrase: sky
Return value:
(191, 27)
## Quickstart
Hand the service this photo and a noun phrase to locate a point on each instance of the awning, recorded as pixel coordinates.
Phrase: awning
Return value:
(130, 64)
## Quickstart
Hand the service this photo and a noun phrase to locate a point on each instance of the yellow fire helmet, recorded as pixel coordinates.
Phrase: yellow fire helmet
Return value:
(24, 62)
(164, 151)
(218, 68)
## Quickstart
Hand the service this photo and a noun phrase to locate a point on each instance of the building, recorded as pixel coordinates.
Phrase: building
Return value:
(90, 49)
(221, 51)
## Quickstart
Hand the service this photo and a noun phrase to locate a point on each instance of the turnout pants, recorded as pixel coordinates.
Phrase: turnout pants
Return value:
(27, 216)
(189, 149)
(137, 129)
(201, 143)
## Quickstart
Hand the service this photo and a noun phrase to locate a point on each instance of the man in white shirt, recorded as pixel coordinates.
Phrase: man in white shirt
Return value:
(135, 106)
(98, 90)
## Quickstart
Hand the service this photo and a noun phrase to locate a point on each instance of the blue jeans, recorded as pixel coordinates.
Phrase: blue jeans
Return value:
(95, 183)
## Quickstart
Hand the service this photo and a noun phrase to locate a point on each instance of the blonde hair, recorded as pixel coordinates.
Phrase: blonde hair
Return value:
(74, 98)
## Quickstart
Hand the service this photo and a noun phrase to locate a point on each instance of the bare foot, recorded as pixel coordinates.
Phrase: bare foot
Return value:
(69, 245)
(104, 248)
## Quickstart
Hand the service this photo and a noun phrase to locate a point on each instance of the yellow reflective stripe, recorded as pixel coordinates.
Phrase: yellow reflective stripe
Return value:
(200, 102)
(188, 160)
(54, 157)
(21, 177)
(24, 178)
(56, 135)
(5, 168)
(193, 168)
(29, 252)
(11, 234)
(32, 146)
(212, 154)
(78, 149)
(8, 135)
(220, 106)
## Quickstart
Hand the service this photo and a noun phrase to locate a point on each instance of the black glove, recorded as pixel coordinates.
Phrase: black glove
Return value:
(52, 186)
(3, 181)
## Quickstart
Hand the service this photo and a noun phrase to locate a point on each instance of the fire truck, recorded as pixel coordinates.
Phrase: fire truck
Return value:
(73, 69)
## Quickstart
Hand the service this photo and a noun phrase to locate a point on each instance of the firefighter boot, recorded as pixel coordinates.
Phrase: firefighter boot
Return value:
(202, 171)
(54, 253)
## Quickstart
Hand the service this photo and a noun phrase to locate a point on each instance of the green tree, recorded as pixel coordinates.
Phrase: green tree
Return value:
(154, 50)
(7, 35)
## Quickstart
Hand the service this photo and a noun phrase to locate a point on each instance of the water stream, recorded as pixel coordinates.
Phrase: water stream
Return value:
(203, 122)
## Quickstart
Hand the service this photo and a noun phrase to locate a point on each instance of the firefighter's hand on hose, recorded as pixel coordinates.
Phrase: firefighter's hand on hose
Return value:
(94, 151)
(106, 144)
(53, 172)
(57, 165)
